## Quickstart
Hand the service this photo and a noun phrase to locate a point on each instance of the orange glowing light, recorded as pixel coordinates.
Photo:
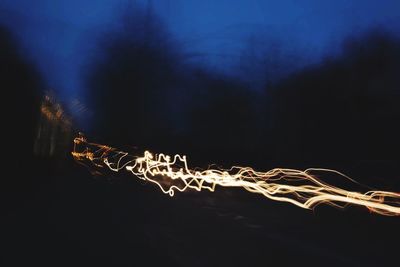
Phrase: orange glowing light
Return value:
(299, 187)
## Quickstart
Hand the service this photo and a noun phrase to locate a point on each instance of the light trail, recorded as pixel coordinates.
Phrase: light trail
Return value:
(298, 187)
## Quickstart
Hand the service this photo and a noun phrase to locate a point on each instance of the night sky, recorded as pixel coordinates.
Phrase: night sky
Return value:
(60, 36)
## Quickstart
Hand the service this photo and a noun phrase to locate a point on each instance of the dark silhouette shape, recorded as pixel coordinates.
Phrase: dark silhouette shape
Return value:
(222, 118)
(143, 93)
(346, 108)
(21, 87)
(131, 83)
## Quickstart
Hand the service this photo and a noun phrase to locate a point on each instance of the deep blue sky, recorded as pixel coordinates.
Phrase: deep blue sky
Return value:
(59, 36)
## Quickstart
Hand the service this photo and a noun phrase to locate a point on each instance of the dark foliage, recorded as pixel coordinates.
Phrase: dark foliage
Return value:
(346, 108)
(131, 83)
(221, 118)
(20, 86)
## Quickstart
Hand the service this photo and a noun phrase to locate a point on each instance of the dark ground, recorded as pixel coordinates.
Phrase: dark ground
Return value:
(74, 219)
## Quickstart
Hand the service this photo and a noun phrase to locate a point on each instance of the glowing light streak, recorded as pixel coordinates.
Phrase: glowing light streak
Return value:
(298, 187)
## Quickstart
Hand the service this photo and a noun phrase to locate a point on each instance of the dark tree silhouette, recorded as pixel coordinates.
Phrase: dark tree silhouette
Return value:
(131, 82)
(21, 95)
(222, 118)
(345, 108)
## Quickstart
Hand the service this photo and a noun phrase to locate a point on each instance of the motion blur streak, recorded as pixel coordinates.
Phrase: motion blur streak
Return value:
(300, 188)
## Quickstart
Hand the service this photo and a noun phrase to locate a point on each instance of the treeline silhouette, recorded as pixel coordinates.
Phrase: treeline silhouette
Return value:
(347, 107)
(21, 86)
(143, 92)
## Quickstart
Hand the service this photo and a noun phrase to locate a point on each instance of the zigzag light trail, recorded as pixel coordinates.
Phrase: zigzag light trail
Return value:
(171, 174)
